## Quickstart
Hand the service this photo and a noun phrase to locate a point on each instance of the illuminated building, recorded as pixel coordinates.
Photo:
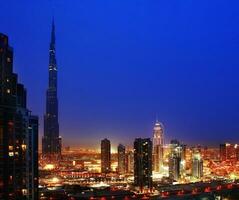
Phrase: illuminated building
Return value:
(174, 167)
(158, 142)
(18, 148)
(51, 142)
(177, 159)
(197, 166)
(105, 156)
(121, 159)
(130, 162)
(143, 162)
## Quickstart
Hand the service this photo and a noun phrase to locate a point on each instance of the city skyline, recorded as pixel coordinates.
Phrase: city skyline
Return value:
(147, 83)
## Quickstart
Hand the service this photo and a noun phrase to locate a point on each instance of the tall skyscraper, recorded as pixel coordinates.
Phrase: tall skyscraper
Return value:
(51, 142)
(121, 159)
(197, 165)
(174, 166)
(158, 142)
(143, 163)
(18, 154)
(177, 159)
(105, 156)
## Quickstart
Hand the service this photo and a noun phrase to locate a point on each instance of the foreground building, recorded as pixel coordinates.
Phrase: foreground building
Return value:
(51, 141)
(18, 134)
(105, 156)
(143, 163)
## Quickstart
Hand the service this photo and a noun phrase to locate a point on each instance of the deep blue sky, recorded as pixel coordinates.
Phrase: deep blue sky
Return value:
(122, 62)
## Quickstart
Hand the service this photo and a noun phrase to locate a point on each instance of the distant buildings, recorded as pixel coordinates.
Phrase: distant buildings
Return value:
(197, 165)
(158, 142)
(121, 159)
(105, 156)
(51, 142)
(18, 134)
(143, 162)
(229, 152)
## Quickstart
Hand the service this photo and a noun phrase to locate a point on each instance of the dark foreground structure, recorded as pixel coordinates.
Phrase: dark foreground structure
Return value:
(18, 134)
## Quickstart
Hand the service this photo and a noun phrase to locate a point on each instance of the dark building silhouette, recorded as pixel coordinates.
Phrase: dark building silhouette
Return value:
(51, 142)
(105, 156)
(33, 157)
(121, 159)
(143, 162)
(18, 153)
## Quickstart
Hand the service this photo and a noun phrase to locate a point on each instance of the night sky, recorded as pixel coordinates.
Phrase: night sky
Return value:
(121, 63)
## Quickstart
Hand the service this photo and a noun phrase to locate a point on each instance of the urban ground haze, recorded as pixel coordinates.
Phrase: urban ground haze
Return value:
(122, 63)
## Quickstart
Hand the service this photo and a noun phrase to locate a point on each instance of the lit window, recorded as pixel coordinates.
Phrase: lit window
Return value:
(10, 148)
(8, 91)
(24, 191)
(10, 154)
(24, 147)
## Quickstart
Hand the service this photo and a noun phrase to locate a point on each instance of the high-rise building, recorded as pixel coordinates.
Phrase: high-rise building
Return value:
(177, 160)
(121, 159)
(130, 162)
(143, 162)
(174, 166)
(158, 142)
(51, 141)
(197, 165)
(105, 156)
(18, 160)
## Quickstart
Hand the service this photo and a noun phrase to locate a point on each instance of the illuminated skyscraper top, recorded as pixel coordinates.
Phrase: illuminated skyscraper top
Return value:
(158, 134)
(51, 143)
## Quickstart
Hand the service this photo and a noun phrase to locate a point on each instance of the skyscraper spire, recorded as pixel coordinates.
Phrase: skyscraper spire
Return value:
(53, 31)
(51, 142)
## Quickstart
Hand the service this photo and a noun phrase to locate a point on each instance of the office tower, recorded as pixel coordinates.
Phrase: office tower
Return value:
(174, 166)
(51, 142)
(143, 162)
(158, 142)
(130, 162)
(16, 150)
(121, 159)
(105, 156)
(179, 150)
(177, 160)
(197, 165)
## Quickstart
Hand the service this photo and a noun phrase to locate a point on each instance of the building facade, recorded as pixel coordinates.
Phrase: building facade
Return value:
(51, 141)
(121, 159)
(143, 163)
(197, 166)
(105, 156)
(17, 153)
